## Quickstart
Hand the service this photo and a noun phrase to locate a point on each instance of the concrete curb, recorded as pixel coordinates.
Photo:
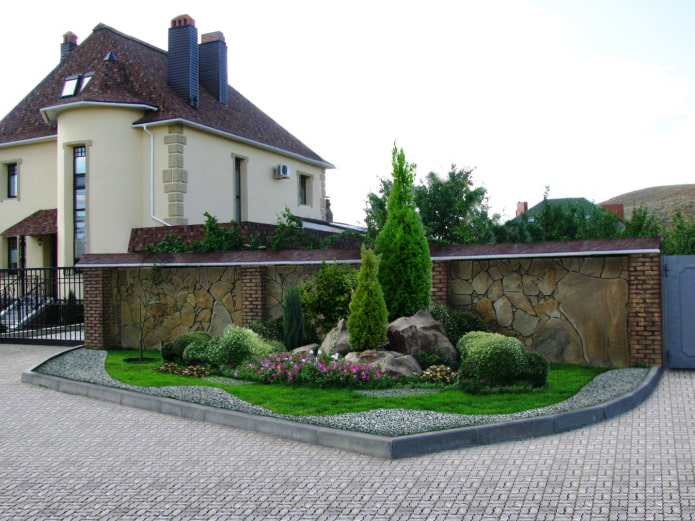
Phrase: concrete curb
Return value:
(371, 445)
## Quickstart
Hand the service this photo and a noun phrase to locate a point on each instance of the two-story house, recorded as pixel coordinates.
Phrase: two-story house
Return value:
(124, 135)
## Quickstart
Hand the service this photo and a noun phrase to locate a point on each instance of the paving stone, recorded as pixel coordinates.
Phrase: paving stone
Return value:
(67, 457)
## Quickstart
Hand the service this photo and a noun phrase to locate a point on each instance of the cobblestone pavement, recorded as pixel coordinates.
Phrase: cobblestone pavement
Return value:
(66, 457)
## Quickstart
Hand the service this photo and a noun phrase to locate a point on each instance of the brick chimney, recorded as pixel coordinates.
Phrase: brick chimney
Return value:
(521, 207)
(182, 72)
(69, 43)
(616, 209)
(213, 65)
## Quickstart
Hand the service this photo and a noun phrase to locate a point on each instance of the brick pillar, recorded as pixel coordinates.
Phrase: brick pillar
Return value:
(252, 293)
(644, 309)
(99, 314)
(440, 282)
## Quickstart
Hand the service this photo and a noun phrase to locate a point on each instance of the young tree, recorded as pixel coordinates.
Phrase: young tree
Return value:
(406, 267)
(642, 224)
(368, 319)
(679, 239)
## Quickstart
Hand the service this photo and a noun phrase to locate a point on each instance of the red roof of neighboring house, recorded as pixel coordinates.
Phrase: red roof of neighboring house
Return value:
(138, 75)
(43, 222)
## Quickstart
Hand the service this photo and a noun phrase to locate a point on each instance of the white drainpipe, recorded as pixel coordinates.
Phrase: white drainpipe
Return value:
(152, 215)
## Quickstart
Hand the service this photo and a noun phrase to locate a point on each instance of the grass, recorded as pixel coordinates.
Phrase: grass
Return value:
(563, 382)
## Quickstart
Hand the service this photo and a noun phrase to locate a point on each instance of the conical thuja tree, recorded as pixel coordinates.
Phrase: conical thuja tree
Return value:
(293, 319)
(405, 270)
(368, 319)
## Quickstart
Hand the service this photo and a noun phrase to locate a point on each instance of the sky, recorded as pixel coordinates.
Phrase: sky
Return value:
(590, 98)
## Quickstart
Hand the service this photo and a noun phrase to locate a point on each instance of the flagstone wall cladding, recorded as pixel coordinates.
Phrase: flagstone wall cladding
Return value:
(570, 309)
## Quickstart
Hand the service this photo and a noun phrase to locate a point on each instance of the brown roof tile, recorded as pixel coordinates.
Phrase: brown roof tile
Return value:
(139, 76)
(43, 222)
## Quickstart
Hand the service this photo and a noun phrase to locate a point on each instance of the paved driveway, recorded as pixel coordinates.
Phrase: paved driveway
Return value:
(67, 457)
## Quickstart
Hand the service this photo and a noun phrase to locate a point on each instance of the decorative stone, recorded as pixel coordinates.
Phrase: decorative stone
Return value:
(592, 267)
(421, 332)
(388, 362)
(337, 340)
(481, 282)
(504, 312)
(221, 318)
(309, 349)
(524, 323)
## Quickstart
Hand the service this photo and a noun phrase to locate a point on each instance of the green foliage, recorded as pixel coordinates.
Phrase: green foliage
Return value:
(680, 238)
(71, 312)
(449, 207)
(173, 351)
(406, 268)
(438, 358)
(456, 323)
(218, 238)
(376, 212)
(368, 318)
(268, 329)
(171, 243)
(290, 234)
(293, 319)
(536, 369)
(326, 297)
(492, 358)
(196, 353)
(235, 345)
(642, 224)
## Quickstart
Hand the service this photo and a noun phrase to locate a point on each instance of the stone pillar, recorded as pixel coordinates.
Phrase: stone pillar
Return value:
(175, 177)
(253, 290)
(440, 282)
(644, 309)
(100, 317)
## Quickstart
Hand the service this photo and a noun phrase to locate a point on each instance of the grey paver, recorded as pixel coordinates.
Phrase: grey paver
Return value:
(69, 457)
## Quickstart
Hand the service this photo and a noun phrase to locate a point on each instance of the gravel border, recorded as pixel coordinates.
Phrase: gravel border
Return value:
(87, 365)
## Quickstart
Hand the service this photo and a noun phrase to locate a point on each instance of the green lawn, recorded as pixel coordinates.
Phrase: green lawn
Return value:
(563, 382)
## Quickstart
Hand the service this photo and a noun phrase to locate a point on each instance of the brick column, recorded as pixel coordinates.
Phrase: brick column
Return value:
(99, 314)
(644, 309)
(252, 294)
(440, 282)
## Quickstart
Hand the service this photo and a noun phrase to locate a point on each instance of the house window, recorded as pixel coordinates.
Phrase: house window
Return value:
(12, 253)
(305, 190)
(12, 180)
(70, 85)
(79, 169)
(237, 188)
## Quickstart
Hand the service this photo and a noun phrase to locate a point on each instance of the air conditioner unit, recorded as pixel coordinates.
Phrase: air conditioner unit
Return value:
(282, 172)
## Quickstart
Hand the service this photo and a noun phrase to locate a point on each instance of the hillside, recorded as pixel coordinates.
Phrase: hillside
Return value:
(662, 201)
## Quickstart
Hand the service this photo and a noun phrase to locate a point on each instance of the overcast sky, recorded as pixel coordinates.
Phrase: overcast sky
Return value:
(592, 98)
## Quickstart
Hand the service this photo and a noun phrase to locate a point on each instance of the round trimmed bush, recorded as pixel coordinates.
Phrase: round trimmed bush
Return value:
(456, 323)
(235, 345)
(492, 358)
(537, 369)
(173, 351)
(196, 353)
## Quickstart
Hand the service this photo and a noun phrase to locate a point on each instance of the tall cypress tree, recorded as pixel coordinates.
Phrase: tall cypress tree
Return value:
(405, 271)
(368, 319)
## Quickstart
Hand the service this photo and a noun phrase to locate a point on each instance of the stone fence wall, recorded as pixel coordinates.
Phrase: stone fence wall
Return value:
(589, 302)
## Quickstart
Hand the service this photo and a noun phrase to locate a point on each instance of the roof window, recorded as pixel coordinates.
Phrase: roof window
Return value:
(75, 83)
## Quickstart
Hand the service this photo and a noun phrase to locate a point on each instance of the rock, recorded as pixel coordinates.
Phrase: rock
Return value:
(421, 332)
(337, 340)
(308, 349)
(390, 363)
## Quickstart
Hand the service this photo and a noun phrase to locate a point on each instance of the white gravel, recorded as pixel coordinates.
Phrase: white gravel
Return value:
(87, 365)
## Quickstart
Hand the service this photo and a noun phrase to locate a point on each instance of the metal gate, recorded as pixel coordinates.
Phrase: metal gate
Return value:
(41, 306)
(679, 310)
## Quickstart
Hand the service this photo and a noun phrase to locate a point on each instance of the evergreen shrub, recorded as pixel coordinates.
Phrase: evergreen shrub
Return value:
(293, 319)
(456, 323)
(368, 319)
(173, 351)
(196, 353)
(326, 297)
(492, 358)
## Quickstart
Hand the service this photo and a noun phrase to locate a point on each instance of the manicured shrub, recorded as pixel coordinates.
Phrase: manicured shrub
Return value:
(268, 329)
(456, 323)
(434, 359)
(293, 319)
(196, 353)
(173, 352)
(494, 358)
(406, 268)
(537, 369)
(326, 297)
(235, 345)
(368, 320)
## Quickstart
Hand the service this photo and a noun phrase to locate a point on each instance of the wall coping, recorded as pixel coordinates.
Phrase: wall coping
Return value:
(633, 246)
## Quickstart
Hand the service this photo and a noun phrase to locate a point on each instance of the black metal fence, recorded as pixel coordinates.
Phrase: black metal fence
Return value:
(41, 306)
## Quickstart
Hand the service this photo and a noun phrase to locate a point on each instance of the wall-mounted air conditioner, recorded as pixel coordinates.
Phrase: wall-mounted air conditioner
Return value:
(282, 172)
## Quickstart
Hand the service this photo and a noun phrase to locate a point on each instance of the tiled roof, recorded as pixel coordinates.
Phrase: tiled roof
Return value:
(468, 251)
(43, 222)
(139, 76)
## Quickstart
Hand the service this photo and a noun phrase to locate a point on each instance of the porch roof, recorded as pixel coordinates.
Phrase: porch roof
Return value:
(41, 222)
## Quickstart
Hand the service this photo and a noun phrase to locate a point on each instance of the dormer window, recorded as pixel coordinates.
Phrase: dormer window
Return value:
(70, 85)
(75, 83)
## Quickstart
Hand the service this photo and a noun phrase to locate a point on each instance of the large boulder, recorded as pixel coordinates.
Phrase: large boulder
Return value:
(421, 332)
(337, 340)
(388, 362)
